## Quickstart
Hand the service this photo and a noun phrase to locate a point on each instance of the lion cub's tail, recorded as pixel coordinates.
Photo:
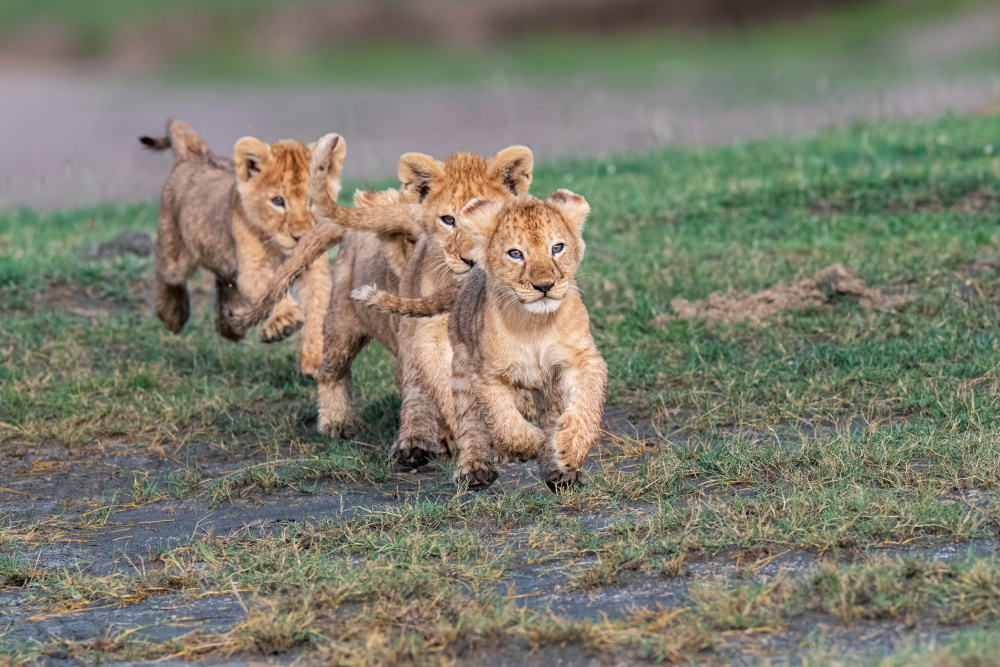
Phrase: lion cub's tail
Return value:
(324, 235)
(311, 246)
(187, 144)
(427, 306)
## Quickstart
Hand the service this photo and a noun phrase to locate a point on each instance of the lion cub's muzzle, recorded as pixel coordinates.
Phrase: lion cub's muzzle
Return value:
(543, 297)
(459, 265)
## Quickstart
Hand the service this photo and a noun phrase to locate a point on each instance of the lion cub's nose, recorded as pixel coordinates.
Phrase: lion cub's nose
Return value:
(543, 288)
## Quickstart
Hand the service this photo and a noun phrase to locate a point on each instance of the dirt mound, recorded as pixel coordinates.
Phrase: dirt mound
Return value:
(139, 244)
(832, 281)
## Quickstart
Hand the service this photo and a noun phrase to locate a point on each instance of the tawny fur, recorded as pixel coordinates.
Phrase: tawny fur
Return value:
(438, 260)
(221, 215)
(411, 248)
(438, 303)
(518, 323)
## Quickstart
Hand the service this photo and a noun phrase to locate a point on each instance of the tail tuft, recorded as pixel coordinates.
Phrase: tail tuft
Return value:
(155, 143)
(187, 144)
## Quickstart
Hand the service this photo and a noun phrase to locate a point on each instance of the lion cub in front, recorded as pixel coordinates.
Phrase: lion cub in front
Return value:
(518, 322)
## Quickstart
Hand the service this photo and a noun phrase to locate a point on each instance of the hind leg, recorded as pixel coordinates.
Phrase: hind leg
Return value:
(174, 265)
(227, 300)
(428, 424)
(417, 442)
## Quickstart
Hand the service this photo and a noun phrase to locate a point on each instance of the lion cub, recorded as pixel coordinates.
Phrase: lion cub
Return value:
(412, 246)
(518, 323)
(240, 219)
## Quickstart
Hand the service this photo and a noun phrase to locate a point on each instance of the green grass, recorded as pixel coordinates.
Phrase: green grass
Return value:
(830, 432)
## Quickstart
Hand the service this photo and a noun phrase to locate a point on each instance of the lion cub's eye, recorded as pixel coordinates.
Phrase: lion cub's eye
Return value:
(278, 201)
(558, 248)
(515, 254)
(448, 220)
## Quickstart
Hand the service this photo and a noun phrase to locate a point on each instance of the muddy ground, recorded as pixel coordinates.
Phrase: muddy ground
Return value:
(61, 491)
(67, 493)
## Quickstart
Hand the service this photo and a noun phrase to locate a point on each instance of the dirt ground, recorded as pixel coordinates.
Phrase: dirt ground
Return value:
(78, 500)
(60, 490)
(65, 491)
(54, 159)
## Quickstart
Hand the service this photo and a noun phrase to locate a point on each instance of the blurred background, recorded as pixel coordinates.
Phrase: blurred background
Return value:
(79, 81)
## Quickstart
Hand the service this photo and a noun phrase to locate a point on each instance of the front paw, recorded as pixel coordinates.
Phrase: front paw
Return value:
(475, 476)
(412, 453)
(502, 457)
(282, 325)
(345, 428)
(559, 481)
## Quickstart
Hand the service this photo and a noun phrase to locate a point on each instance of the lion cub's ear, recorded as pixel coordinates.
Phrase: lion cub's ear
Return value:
(327, 162)
(416, 171)
(250, 155)
(513, 166)
(478, 219)
(573, 207)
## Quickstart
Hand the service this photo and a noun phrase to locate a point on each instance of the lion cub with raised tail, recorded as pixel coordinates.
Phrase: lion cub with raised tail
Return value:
(240, 219)
(518, 323)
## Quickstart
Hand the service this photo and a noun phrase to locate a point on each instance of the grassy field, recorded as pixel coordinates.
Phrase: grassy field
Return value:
(818, 484)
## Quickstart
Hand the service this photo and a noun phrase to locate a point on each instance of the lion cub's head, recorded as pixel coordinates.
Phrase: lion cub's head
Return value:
(443, 188)
(273, 182)
(529, 247)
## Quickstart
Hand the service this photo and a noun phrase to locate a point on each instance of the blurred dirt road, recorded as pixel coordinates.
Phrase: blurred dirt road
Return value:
(68, 142)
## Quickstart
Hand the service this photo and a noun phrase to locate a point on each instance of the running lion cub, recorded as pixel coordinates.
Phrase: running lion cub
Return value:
(517, 322)
(240, 219)
(406, 241)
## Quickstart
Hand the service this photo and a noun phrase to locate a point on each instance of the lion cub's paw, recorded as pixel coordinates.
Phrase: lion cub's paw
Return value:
(447, 447)
(282, 325)
(503, 457)
(412, 453)
(172, 306)
(475, 476)
(339, 429)
(563, 481)
(309, 364)
(235, 315)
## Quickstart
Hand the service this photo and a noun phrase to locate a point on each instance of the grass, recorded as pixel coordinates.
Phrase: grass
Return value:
(828, 434)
